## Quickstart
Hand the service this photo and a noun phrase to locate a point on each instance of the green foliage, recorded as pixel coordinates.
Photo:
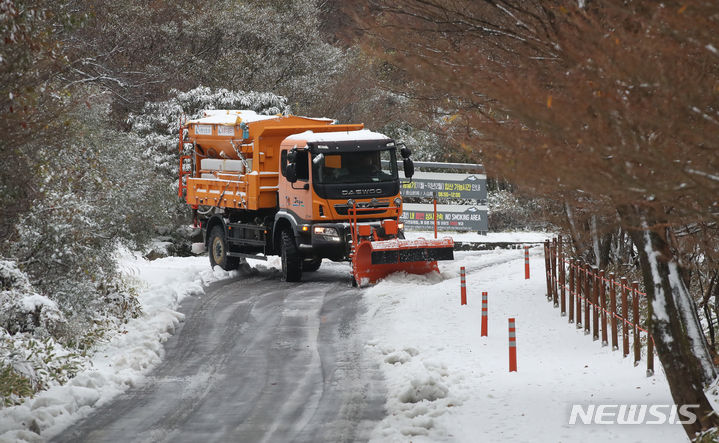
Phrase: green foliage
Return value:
(30, 365)
(94, 193)
(13, 386)
(31, 98)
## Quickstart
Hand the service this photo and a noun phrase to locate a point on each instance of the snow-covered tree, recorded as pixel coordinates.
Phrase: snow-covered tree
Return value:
(140, 53)
(94, 193)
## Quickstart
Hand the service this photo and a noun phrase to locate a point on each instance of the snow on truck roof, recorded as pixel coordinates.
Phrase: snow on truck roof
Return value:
(362, 134)
(230, 117)
(236, 116)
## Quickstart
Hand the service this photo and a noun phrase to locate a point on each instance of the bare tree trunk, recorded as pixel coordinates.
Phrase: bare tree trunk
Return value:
(707, 312)
(674, 324)
(595, 240)
(573, 232)
(710, 321)
(605, 249)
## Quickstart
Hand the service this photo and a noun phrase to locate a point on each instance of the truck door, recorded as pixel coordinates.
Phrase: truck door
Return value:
(297, 197)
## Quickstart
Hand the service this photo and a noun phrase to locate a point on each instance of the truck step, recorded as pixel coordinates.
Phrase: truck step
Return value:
(242, 255)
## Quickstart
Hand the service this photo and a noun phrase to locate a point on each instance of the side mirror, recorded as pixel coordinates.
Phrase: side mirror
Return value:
(405, 152)
(408, 165)
(291, 172)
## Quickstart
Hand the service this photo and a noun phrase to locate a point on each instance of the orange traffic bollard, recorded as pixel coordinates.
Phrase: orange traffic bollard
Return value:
(526, 262)
(463, 279)
(512, 346)
(484, 314)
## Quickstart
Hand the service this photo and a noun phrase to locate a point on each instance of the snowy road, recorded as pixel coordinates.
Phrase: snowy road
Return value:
(260, 360)
(255, 360)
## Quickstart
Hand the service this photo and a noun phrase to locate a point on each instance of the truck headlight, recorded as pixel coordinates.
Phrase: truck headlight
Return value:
(327, 233)
(398, 202)
(324, 230)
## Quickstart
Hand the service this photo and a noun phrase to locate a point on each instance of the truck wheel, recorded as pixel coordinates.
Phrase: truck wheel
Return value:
(311, 265)
(218, 251)
(291, 260)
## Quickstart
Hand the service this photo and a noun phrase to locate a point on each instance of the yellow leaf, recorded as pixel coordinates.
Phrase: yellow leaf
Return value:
(549, 102)
(682, 9)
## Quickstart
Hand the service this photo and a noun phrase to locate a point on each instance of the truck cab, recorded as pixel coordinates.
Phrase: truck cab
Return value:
(323, 176)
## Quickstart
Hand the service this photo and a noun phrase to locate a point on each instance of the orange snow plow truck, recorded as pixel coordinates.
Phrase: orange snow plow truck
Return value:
(301, 188)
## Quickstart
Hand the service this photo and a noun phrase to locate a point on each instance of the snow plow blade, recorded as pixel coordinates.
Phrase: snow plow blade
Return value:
(375, 260)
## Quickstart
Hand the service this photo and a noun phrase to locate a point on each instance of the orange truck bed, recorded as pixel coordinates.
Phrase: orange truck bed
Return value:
(245, 148)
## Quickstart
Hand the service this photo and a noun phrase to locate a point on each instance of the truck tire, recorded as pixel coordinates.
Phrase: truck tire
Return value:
(218, 251)
(291, 260)
(311, 265)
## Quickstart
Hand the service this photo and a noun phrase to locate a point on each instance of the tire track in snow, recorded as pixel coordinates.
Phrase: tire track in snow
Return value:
(255, 359)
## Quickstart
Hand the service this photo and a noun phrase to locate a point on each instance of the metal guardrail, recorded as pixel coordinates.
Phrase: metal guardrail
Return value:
(440, 165)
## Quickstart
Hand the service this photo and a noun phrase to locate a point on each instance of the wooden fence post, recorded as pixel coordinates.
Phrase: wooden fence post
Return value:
(625, 317)
(613, 309)
(603, 304)
(587, 297)
(595, 301)
(554, 271)
(560, 264)
(635, 320)
(579, 287)
(547, 272)
(571, 290)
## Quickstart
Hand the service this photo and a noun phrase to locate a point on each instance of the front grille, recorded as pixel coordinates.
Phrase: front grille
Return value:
(344, 209)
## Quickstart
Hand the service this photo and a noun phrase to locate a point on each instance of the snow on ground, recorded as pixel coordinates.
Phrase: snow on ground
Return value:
(122, 361)
(446, 383)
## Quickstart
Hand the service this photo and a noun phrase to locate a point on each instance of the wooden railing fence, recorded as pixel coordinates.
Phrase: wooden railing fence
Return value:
(603, 304)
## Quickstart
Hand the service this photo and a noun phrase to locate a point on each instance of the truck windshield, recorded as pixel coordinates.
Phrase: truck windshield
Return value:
(355, 167)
